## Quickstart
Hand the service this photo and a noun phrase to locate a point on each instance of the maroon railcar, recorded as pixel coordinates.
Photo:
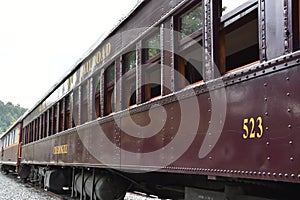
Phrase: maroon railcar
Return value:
(184, 99)
(10, 144)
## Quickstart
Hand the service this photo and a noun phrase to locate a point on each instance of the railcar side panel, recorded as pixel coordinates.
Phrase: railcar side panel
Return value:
(9, 155)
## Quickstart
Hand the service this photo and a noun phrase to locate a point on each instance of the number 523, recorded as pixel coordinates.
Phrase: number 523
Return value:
(250, 125)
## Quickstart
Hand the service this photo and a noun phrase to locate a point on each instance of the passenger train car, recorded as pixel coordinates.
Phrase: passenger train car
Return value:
(179, 100)
(10, 144)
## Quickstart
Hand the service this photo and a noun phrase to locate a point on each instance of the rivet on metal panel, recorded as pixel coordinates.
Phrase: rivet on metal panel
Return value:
(269, 173)
(280, 174)
(268, 158)
(287, 78)
(266, 99)
(298, 175)
(274, 174)
(291, 159)
(265, 84)
(266, 113)
(291, 142)
(289, 110)
(210, 158)
(293, 175)
(286, 175)
(250, 172)
(289, 126)
(267, 128)
(264, 173)
(288, 94)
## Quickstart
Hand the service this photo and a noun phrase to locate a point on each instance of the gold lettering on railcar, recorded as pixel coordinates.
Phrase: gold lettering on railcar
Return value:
(97, 58)
(101, 54)
(62, 149)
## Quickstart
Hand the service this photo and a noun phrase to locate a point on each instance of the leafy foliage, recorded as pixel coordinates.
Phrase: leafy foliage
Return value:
(9, 113)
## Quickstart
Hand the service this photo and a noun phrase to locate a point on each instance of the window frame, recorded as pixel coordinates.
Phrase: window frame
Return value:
(148, 67)
(196, 35)
(185, 45)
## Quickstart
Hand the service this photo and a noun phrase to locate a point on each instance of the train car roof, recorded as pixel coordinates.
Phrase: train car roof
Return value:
(93, 47)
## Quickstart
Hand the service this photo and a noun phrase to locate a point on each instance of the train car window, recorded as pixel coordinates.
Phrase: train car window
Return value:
(42, 126)
(61, 116)
(84, 102)
(30, 132)
(109, 79)
(97, 99)
(151, 69)
(75, 120)
(297, 22)
(45, 124)
(33, 131)
(54, 124)
(50, 121)
(24, 130)
(12, 135)
(129, 79)
(37, 126)
(188, 62)
(17, 135)
(27, 134)
(239, 41)
(191, 21)
(34, 124)
(152, 48)
(295, 25)
(67, 113)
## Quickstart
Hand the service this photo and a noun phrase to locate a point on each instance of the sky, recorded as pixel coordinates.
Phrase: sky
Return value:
(40, 40)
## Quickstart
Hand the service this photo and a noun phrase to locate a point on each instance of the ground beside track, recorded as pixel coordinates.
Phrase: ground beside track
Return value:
(12, 188)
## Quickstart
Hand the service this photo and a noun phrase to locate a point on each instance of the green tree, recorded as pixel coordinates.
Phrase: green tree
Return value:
(9, 113)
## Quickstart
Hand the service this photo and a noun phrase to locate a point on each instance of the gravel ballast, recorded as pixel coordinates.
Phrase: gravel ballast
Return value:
(13, 189)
